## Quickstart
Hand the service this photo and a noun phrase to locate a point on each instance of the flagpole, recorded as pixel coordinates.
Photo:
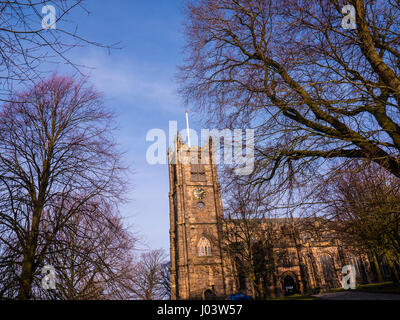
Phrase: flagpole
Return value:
(187, 127)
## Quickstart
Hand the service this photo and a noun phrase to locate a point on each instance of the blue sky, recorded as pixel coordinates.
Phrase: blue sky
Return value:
(138, 83)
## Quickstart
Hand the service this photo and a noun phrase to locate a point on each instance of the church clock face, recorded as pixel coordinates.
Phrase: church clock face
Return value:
(200, 205)
(200, 193)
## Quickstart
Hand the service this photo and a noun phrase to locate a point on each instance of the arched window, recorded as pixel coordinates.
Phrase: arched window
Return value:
(286, 259)
(204, 247)
(327, 268)
(355, 263)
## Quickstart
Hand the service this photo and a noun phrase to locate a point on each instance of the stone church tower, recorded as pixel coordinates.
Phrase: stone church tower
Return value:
(197, 264)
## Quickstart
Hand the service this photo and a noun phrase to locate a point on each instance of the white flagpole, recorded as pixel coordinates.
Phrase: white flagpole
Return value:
(187, 127)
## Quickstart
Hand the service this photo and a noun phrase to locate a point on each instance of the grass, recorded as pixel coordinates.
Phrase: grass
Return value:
(296, 297)
(383, 287)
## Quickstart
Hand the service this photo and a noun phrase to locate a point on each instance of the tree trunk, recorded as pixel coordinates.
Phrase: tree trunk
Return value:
(395, 277)
(377, 267)
(26, 279)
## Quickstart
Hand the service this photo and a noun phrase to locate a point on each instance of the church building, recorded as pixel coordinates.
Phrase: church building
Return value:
(201, 269)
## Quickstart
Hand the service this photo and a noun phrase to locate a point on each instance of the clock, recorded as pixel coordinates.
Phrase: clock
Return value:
(200, 205)
(199, 193)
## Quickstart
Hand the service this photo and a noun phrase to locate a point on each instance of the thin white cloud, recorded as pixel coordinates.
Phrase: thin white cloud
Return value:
(144, 85)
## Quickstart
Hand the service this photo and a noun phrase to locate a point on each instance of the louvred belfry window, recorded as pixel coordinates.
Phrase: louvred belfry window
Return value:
(198, 172)
(197, 169)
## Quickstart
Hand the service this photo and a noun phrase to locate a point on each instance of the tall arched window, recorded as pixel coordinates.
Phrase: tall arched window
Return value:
(355, 263)
(204, 247)
(327, 268)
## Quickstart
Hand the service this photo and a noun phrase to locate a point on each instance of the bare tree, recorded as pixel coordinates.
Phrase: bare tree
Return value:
(57, 156)
(363, 206)
(92, 256)
(249, 237)
(166, 279)
(312, 89)
(26, 46)
(147, 276)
